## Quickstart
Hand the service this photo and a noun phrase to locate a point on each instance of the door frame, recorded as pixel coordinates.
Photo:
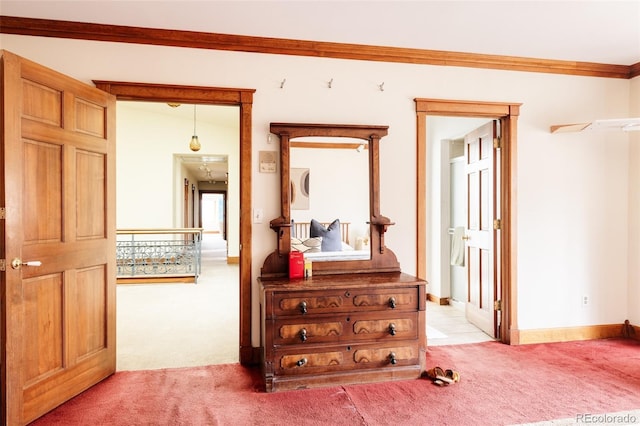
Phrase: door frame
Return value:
(508, 114)
(243, 98)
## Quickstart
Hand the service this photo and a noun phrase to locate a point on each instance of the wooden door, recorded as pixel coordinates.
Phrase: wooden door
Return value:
(479, 235)
(58, 167)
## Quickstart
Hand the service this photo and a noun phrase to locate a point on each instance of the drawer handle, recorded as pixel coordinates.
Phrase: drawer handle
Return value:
(303, 307)
(392, 329)
(392, 302)
(301, 362)
(303, 334)
(392, 358)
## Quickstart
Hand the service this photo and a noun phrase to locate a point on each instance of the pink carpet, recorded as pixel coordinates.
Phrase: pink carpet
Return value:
(500, 385)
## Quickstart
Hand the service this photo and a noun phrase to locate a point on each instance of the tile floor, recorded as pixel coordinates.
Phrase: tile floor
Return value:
(447, 325)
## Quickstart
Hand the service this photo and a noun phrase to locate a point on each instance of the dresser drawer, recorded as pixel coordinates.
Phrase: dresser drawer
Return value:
(345, 357)
(310, 302)
(335, 328)
(346, 300)
(392, 299)
(386, 327)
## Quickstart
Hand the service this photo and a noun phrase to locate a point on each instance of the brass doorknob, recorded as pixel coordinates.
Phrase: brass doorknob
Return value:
(466, 237)
(17, 263)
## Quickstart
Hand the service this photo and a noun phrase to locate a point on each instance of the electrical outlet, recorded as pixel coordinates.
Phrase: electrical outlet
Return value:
(585, 300)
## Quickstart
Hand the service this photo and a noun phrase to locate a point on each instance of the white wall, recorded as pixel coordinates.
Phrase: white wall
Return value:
(572, 188)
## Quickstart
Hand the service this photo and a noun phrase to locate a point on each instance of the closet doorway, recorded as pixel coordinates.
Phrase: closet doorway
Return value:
(430, 229)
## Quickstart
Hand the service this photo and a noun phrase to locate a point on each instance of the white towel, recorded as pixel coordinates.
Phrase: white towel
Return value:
(457, 247)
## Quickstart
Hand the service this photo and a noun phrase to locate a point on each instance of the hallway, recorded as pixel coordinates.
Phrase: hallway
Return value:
(181, 325)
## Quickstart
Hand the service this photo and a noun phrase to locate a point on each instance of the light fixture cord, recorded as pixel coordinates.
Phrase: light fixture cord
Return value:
(194, 120)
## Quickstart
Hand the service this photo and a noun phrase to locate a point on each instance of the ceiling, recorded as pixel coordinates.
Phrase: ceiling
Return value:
(588, 30)
(206, 166)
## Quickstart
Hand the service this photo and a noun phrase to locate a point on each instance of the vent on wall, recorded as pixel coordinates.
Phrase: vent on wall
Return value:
(624, 124)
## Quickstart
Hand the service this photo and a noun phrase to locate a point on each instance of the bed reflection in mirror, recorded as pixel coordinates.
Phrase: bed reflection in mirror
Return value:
(330, 199)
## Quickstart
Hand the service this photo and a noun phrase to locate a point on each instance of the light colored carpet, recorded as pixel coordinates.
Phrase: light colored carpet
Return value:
(181, 325)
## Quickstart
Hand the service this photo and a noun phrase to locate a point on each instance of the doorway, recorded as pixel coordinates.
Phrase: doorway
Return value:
(174, 324)
(243, 98)
(428, 219)
(213, 213)
(458, 306)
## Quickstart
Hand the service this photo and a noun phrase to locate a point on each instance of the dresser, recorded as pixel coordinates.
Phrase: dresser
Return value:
(342, 329)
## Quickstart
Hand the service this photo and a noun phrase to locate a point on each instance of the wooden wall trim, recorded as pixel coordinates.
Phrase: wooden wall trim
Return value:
(129, 91)
(634, 70)
(437, 300)
(568, 334)
(635, 335)
(280, 46)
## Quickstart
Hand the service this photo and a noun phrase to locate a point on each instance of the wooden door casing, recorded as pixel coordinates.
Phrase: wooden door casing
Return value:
(58, 147)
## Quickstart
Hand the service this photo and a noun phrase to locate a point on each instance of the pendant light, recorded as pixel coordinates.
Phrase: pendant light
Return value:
(195, 143)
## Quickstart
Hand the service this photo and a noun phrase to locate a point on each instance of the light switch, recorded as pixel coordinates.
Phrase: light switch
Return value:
(257, 215)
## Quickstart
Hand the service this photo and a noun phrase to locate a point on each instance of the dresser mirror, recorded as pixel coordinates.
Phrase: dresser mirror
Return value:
(329, 199)
(329, 194)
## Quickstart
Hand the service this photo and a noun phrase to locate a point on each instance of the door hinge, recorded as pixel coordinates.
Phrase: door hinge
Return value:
(497, 224)
(3, 265)
(497, 305)
(3, 213)
(496, 143)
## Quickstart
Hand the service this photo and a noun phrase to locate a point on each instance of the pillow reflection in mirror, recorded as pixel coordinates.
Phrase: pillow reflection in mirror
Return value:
(309, 245)
(331, 239)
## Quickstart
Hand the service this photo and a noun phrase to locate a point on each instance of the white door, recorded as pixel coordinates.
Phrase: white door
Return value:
(480, 235)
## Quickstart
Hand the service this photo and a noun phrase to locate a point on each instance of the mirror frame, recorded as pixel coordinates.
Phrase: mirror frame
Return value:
(382, 259)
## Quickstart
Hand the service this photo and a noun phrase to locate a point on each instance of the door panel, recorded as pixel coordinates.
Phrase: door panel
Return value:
(479, 234)
(58, 166)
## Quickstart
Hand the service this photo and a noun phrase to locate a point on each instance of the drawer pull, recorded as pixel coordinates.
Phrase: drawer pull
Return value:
(303, 334)
(301, 362)
(392, 302)
(303, 307)
(392, 329)
(392, 358)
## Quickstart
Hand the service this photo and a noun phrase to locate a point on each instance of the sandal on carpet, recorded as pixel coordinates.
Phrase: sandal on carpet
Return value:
(437, 375)
(453, 375)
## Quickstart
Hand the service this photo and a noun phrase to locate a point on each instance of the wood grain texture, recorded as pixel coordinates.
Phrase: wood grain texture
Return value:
(59, 156)
(341, 329)
(568, 334)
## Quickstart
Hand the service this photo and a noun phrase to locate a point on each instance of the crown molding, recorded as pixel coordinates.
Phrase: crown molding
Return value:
(279, 46)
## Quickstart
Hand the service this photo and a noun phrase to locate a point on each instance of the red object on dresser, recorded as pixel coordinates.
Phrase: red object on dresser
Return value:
(296, 264)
